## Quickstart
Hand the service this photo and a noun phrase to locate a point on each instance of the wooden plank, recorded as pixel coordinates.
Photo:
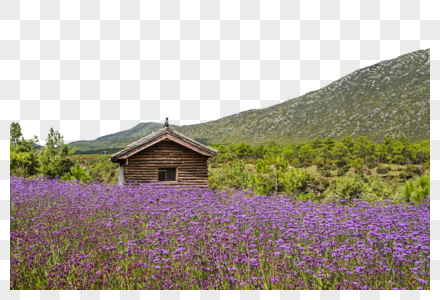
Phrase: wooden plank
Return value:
(197, 159)
(141, 173)
(167, 155)
(165, 183)
(159, 154)
(180, 172)
(189, 172)
(189, 145)
(176, 164)
(149, 160)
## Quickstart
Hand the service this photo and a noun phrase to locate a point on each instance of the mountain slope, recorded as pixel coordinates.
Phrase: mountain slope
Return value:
(120, 139)
(388, 98)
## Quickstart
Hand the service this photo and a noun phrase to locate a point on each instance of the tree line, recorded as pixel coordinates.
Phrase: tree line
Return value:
(29, 159)
(347, 151)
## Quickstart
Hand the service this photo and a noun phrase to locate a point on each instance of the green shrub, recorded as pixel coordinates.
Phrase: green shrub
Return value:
(365, 188)
(383, 170)
(103, 170)
(343, 170)
(77, 173)
(347, 186)
(376, 186)
(371, 165)
(325, 183)
(334, 168)
(326, 167)
(413, 169)
(340, 163)
(415, 189)
(274, 175)
(409, 175)
(229, 175)
(326, 174)
(369, 172)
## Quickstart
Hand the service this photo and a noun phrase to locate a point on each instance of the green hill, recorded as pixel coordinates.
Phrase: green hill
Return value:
(387, 98)
(120, 139)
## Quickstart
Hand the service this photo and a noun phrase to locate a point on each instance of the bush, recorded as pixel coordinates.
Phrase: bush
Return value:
(326, 167)
(360, 172)
(251, 161)
(341, 163)
(346, 186)
(369, 172)
(353, 184)
(383, 170)
(229, 175)
(334, 168)
(326, 174)
(325, 183)
(409, 175)
(343, 170)
(371, 165)
(77, 173)
(103, 170)
(413, 169)
(274, 175)
(376, 186)
(415, 189)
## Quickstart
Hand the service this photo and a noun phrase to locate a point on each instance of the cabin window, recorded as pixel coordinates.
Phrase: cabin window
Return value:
(168, 174)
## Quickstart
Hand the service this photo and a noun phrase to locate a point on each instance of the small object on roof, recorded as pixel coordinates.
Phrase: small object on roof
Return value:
(166, 124)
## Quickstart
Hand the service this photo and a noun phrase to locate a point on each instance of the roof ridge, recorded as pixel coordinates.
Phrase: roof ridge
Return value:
(158, 133)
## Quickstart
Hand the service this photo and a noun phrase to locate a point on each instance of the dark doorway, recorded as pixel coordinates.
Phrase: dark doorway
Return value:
(168, 174)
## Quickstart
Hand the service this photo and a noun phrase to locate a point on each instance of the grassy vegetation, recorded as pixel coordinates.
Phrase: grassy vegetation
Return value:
(392, 161)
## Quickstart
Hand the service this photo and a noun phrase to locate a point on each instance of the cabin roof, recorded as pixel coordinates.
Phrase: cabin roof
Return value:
(160, 135)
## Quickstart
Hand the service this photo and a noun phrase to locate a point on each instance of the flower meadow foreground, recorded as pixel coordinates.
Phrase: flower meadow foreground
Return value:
(77, 236)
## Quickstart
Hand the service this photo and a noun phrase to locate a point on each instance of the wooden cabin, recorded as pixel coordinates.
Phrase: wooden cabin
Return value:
(165, 156)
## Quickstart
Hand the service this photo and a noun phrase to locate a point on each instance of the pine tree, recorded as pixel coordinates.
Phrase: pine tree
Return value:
(54, 156)
(23, 156)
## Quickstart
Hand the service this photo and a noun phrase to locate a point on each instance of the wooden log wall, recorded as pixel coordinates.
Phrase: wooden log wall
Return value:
(192, 167)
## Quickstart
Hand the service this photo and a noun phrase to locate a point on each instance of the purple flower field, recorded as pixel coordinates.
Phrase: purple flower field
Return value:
(77, 236)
